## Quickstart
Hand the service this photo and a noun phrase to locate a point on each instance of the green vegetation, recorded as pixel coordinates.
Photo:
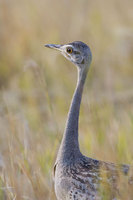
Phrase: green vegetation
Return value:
(36, 86)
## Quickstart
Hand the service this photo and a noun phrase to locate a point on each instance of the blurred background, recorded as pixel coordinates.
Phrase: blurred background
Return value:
(36, 86)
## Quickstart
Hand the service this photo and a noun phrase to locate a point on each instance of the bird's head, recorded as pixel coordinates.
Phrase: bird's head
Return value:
(77, 52)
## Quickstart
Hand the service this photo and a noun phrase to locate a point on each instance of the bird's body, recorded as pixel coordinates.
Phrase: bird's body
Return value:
(76, 176)
(83, 178)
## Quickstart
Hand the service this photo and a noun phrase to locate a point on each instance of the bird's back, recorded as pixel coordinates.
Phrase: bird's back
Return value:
(89, 179)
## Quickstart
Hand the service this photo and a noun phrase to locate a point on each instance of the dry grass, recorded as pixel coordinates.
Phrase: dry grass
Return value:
(37, 85)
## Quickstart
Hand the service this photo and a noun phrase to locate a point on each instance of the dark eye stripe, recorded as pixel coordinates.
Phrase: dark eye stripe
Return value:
(76, 52)
(83, 61)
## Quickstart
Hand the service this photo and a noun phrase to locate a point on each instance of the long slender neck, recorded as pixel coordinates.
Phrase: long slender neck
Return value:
(70, 146)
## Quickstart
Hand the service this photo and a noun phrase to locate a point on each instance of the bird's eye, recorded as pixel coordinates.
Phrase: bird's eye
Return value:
(69, 50)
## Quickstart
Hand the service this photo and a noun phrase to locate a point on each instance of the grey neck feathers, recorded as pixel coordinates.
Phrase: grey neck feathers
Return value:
(69, 148)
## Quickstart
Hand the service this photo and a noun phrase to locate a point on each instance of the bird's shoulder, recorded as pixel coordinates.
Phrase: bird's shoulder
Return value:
(97, 166)
(89, 170)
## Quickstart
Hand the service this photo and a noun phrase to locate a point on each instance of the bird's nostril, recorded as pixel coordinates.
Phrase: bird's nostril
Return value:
(47, 45)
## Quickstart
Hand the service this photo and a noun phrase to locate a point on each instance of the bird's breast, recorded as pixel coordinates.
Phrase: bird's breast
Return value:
(74, 182)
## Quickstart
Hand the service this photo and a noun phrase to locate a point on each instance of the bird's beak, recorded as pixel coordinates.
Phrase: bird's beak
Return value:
(54, 46)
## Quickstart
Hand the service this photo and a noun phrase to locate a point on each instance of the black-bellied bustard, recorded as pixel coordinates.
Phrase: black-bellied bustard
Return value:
(76, 176)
